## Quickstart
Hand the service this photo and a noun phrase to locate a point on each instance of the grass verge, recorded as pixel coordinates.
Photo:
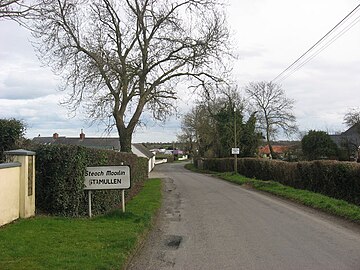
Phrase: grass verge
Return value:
(103, 242)
(315, 200)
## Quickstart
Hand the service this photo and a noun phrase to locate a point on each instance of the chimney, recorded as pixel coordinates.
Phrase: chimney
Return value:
(82, 135)
(55, 136)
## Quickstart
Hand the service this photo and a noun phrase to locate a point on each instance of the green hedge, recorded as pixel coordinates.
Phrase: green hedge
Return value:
(340, 180)
(60, 179)
(170, 158)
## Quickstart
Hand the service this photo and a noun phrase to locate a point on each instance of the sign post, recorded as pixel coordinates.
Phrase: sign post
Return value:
(123, 200)
(89, 197)
(235, 151)
(107, 177)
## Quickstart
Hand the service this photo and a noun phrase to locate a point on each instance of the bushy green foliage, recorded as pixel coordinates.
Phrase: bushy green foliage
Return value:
(225, 126)
(318, 145)
(170, 158)
(60, 179)
(209, 129)
(11, 131)
(247, 139)
(340, 180)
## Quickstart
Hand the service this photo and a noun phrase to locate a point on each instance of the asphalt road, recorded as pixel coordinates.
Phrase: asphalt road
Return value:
(207, 223)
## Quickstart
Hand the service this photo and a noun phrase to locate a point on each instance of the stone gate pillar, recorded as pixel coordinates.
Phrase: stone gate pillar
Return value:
(27, 180)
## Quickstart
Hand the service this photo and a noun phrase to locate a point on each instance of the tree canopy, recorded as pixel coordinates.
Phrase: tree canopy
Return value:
(352, 117)
(210, 127)
(318, 145)
(120, 58)
(11, 131)
(16, 9)
(274, 110)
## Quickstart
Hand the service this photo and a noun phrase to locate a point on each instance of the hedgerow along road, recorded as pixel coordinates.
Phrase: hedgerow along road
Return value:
(207, 223)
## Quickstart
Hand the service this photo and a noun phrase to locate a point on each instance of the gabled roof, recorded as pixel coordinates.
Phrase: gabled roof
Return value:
(279, 149)
(352, 131)
(95, 142)
(100, 143)
(140, 147)
(350, 136)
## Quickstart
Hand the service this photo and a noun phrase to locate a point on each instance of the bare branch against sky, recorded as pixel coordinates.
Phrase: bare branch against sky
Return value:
(268, 35)
(274, 109)
(121, 58)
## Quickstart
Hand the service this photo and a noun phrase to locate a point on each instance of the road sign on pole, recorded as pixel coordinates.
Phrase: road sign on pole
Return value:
(107, 177)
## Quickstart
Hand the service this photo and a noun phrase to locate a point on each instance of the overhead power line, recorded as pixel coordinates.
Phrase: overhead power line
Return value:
(318, 51)
(302, 60)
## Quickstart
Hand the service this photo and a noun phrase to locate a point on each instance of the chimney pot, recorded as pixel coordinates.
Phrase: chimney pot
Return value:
(82, 135)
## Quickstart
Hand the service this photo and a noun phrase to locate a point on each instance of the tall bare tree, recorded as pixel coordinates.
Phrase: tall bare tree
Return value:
(15, 9)
(190, 124)
(274, 109)
(123, 57)
(352, 117)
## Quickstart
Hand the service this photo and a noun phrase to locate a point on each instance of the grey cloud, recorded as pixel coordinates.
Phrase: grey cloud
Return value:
(27, 85)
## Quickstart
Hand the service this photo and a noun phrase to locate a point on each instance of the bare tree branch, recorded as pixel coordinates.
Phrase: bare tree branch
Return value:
(14, 9)
(120, 58)
(352, 117)
(274, 109)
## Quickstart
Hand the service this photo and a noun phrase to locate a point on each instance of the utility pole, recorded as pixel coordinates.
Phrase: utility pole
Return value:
(235, 159)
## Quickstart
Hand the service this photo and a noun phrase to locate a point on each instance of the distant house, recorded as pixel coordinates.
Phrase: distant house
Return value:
(178, 152)
(98, 143)
(349, 140)
(158, 151)
(280, 150)
(141, 151)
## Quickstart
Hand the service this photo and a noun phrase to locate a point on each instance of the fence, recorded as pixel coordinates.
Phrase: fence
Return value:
(17, 186)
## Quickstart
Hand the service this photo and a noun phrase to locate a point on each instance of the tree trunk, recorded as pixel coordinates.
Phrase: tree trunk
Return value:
(272, 153)
(125, 136)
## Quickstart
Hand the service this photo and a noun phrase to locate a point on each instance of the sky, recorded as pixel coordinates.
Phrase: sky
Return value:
(268, 35)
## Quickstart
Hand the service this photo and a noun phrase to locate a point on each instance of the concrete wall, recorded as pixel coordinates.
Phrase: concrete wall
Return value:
(17, 186)
(160, 161)
(9, 192)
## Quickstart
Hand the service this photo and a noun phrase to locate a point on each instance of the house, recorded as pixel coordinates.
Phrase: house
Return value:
(141, 151)
(280, 150)
(349, 140)
(178, 152)
(98, 143)
(285, 150)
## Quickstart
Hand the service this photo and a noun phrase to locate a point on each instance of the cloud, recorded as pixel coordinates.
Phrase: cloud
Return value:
(40, 114)
(156, 134)
(269, 36)
(21, 75)
(27, 84)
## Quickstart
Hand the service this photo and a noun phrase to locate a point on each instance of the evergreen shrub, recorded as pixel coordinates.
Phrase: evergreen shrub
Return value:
(60, 173)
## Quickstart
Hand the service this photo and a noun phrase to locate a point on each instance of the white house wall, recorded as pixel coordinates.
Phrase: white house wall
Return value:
(151, 161)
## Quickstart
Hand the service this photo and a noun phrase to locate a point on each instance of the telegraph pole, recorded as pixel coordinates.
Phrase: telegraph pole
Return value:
(235, 159)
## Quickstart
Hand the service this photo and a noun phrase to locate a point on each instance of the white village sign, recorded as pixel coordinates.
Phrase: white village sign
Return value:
(107, 177)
